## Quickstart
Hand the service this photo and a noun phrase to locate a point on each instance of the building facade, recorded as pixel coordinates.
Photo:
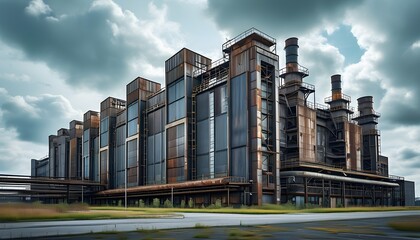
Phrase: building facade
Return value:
(241, 130)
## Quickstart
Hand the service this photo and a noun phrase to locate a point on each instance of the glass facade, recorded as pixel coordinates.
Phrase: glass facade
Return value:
(176, 149)
(85, 150)
(239, 126)
(132, 119)
(104, 132)
(132, 169)
(212, 133)
(156, 154)
(176, 100)
(104, 167)
(120, 156)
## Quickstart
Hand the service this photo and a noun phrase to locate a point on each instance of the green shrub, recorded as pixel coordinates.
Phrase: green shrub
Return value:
(167, 204)
(119, 203)
(191, 203)
(62, 207)
(182, 203)
(141, 203)
(156, 202)
(218, 203)
(211, 206)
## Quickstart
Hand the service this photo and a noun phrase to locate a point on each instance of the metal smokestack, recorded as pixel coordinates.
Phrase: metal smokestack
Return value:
(336, 87)
(291, 48)
(365, 105)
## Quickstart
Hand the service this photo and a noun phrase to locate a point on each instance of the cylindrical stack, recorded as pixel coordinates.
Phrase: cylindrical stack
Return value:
(368, 118)
(336, 86)
(292, 66)
(291, 48)
(365, 105)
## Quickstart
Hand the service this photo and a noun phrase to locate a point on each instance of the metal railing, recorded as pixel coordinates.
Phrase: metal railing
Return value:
(341, 96)
(301, 69)
(245, 34)
(358, 114)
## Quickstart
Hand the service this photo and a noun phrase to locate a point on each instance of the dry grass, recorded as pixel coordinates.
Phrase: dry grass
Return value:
(265, 209)
(236, 233)
(409, 224)
(341, 229)
(28, 212)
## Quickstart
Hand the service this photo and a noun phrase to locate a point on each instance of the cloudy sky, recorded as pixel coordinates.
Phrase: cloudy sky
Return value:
(60, 58)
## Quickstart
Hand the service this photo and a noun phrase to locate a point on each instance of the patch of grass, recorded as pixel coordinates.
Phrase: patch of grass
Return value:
(338, 229)
(37, 211)
(108, 232)
(204, 234)
(409, 224)
(148, 231)
(199, 225)
(264, 209)
(272, 228)
(235, 233)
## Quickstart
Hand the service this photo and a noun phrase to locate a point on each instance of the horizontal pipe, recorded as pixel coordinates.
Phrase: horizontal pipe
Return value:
(338, 178)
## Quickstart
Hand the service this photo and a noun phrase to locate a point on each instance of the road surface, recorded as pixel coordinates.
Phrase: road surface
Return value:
(55, 228)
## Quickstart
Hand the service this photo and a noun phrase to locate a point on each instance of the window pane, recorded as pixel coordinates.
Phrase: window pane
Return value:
(104, 139)
(239, 163)
(133, 111)
(132, 127)
(239, 110)
(132, 153)
(221, 132)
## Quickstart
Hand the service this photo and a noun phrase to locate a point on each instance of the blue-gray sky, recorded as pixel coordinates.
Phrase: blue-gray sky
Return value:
(60, 58)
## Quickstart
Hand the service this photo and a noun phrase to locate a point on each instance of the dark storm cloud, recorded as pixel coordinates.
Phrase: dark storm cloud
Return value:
(396, 24)
(89, 48)
(408, 153)
(34, 118)
(280, 17)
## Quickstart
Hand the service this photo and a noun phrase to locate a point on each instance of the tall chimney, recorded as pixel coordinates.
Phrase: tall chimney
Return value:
(336, 87)
(291, 48)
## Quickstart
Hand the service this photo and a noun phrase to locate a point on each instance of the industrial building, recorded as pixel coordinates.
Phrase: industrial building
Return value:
(240, 130)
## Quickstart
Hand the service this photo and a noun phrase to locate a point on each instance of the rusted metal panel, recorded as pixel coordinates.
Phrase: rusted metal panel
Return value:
(355, 146)
(306, 133)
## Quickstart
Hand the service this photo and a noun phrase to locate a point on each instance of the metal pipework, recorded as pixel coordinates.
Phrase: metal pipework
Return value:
(291, 48)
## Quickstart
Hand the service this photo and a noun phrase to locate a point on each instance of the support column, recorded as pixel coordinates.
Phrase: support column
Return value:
(330, 195)
(305, 181)
(323, 193)
(68, 193)
(374, 196)
(344, 193)
(363, 195)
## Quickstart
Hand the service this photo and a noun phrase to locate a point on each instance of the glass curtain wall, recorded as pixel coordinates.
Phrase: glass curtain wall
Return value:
(176, 154)
(239, 126)
(212, 133)
(176, 100)
(156, 146)
(120, 156)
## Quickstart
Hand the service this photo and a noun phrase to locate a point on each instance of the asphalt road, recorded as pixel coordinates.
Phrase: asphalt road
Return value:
(54, 228)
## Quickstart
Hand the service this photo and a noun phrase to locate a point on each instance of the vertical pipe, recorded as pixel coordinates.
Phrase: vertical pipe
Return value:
(329, 200)
(344, 194)
(306, 189)
(172, 195)
(228, 196)
(323, 193)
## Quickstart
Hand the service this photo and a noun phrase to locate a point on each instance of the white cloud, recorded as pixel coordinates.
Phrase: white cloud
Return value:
(14, 77)
(35, 117)
(16, 155)
(415, 45)
(37, 8)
